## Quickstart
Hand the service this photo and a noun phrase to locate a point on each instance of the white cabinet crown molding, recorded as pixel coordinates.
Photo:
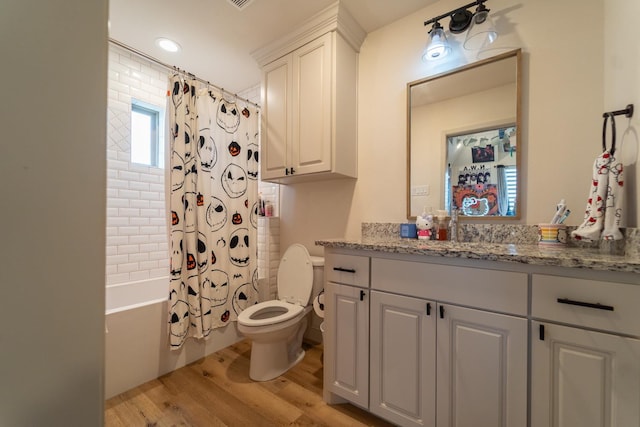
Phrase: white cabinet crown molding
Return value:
(333, 18)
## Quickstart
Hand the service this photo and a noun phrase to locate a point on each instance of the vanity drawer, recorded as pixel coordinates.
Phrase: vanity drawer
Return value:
(588, 303)
(347, 269)
(502, 291)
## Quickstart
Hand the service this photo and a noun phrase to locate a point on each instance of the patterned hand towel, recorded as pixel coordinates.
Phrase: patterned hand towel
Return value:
(615, 192)
(591, 227)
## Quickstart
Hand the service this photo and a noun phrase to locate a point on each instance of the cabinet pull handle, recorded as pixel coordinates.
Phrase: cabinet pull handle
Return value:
(292, 171)
(428, 309)
(286, 171)
(541, 332)
(362, 294)
(585, 304)
(344, 270)
(442, 311)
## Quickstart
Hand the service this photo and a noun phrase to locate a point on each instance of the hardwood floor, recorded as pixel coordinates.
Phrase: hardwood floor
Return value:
(217, 391)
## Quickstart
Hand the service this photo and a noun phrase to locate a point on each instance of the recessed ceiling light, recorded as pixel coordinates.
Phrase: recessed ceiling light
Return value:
(168, 45)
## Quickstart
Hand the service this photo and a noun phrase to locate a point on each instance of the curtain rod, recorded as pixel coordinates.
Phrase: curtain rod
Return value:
(176, 69)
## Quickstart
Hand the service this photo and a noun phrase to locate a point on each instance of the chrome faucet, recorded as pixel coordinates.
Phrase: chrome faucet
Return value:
(453, 225)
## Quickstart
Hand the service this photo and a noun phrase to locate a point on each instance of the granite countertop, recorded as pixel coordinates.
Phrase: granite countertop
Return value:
(523, 253)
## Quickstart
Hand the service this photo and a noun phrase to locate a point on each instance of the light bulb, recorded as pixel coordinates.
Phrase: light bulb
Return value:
(438, 46)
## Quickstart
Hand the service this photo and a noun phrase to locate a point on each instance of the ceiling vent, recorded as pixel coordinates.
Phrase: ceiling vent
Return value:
(240, 4)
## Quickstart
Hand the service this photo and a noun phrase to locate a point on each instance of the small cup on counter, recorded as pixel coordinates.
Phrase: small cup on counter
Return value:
(552, 235)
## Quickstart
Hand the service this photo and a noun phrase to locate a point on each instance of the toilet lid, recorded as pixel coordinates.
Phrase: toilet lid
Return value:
(295, 275)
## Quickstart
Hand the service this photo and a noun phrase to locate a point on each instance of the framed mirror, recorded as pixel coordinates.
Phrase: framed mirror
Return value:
(463, 140)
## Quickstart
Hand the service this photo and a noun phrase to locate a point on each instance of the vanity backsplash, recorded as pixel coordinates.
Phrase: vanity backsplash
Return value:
(512, 234)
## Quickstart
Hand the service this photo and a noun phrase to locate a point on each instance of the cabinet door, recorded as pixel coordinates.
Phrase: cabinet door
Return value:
(312, 127)
(583, 378)
(403, 359)
(481, 368)
(346, 360)
(276, 117)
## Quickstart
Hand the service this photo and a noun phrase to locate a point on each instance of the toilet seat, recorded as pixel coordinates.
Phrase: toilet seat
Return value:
(269, 313)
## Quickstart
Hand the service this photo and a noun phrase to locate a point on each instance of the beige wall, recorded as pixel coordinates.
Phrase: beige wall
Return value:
(622, 87)
(564, 90)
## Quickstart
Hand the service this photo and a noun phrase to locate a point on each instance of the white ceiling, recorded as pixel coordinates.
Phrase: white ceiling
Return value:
(217, 39)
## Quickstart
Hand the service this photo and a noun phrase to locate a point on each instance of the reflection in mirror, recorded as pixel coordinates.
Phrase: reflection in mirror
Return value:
(466, 122)
(481, 172)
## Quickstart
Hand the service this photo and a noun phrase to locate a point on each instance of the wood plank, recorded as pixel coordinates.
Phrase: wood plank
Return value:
(219, 403)
(216, 391)
(235, 379)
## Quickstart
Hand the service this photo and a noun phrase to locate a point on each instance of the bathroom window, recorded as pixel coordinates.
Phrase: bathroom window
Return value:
(146, 134)
(512, 184)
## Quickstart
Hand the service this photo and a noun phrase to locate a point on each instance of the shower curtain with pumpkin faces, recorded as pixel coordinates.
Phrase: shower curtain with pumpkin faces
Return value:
(213, 206)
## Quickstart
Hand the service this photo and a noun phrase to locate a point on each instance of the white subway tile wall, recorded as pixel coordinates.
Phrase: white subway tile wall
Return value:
(137, 247)
(269, 253)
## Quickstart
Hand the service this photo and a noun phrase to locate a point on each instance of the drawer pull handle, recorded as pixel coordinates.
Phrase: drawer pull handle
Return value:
(344, 270)
(585, 304)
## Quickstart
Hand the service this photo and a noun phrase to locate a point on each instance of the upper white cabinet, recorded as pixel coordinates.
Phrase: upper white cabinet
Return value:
(309, 100)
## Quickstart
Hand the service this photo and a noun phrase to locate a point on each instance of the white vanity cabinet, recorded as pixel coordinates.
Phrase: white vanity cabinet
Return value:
(464, 342)
(308, 97)
(403, 359)
(346, 360)
(587, 374)
(436, 363)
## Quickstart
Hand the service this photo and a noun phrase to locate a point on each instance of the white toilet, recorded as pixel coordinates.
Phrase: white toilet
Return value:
(276, 327)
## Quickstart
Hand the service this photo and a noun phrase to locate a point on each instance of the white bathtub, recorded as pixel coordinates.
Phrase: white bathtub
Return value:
(137, 347)
(131, 295)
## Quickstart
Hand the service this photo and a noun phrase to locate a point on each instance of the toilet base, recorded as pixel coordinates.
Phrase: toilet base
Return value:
(267, 365)
(269, 360)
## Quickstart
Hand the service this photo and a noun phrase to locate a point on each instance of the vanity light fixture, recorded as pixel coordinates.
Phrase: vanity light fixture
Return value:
(481, 30)
(167, 44)
(438, 46)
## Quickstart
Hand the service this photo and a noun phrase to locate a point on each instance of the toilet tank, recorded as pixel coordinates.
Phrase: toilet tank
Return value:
(313, 333)
(318, 276)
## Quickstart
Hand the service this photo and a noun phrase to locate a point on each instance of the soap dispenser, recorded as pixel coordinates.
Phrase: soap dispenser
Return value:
(442, 225)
